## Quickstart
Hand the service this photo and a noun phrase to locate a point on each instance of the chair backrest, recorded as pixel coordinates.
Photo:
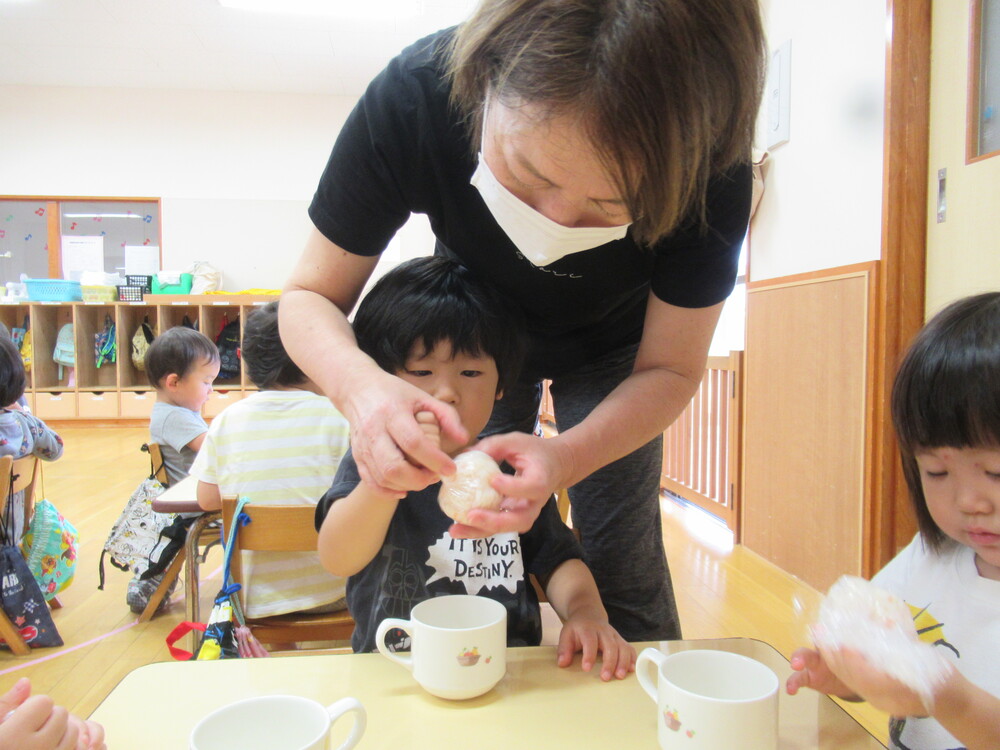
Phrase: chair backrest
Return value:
(272, 528)
(26, 471)
(283, 528)
(158, 469)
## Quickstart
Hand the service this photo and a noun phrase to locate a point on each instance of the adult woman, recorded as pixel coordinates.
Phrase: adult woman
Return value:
(590, 158)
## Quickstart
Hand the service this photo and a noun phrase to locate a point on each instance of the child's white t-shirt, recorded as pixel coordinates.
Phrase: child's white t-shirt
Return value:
(956, 610)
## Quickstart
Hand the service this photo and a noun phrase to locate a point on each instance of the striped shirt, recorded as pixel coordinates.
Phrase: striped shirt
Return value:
(278, 448)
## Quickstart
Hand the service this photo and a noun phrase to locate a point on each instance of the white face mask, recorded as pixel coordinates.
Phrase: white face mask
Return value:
(540, 240)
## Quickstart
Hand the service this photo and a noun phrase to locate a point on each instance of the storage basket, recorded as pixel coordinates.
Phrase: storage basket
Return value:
(53, 290)
(99, 293)
(146, 282)
(128, 293)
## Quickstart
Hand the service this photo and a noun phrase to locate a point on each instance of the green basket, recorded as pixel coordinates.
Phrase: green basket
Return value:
(183, 288)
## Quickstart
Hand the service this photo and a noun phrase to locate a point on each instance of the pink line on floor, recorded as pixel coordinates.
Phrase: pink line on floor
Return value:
(69, 650)
(97, 639)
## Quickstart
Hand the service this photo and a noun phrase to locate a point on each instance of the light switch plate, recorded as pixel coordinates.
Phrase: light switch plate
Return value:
(778, 91)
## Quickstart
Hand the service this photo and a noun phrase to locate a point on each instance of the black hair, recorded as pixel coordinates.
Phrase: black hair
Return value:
(430, 300)
(12, 375)
(178, 350)
(946, 392)
(267, 362)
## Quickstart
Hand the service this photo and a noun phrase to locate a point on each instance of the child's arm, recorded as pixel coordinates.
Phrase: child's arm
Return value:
(195, 445)
(23, 434)
(573, 594)
(811, 671)
(967, 711)
(355, 528)
(209, 497)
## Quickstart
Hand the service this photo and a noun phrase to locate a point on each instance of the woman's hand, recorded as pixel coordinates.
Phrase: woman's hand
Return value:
(393, 451)
(541, 467)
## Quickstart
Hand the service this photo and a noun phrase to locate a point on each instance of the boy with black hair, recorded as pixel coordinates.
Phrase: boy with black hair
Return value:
(181, 365)
(279, 446)
(436, 326)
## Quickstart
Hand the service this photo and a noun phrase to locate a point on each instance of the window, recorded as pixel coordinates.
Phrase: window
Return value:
(983, 122)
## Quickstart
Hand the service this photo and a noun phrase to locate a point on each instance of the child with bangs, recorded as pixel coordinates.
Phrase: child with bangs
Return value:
(946, 411)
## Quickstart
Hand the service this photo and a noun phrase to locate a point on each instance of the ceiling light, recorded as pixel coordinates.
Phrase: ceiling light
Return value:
(348, 9)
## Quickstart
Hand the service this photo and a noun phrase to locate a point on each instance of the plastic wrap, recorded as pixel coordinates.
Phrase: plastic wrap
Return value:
(470, 486)
(858, 615)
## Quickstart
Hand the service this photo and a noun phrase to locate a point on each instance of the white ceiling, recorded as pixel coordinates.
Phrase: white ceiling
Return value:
(197, 44)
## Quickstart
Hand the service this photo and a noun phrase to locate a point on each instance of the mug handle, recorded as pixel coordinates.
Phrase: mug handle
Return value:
(341, 707)
(649, 657)
(384, 627)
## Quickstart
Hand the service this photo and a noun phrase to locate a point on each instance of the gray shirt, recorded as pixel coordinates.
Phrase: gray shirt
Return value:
(173, 427)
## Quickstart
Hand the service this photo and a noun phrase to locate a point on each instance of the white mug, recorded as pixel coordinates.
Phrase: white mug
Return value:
(276, 722)
(458, 645)
(708, 699)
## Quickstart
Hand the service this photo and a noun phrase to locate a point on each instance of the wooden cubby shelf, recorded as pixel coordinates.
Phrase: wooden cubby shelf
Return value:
(118, 390)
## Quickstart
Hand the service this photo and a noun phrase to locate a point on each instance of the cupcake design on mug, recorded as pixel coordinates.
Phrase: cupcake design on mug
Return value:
(671, 720)
(468, 657)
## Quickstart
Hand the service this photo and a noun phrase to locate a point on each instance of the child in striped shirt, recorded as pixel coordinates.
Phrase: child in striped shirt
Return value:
(279, 446)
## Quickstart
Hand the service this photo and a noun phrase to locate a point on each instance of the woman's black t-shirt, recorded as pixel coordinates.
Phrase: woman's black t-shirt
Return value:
(404, 150)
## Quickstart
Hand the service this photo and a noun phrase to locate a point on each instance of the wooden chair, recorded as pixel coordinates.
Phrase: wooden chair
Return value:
(200, 533)
(283, 528)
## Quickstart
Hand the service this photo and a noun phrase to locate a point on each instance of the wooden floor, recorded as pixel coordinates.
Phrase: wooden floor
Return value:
(721, 590)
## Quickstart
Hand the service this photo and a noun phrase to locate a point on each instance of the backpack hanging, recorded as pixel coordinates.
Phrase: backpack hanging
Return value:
(141, 340)
(105, 346)
(64, 354)
(137, 530)
(228, 343)
(23, 340)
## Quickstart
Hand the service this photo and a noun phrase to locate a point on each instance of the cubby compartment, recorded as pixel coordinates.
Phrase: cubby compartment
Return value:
(90, 321)
(215, 318)
(174, 314)
(47, 320)
(137, 404)
(55, 405)
(130, 317)
(97, 405)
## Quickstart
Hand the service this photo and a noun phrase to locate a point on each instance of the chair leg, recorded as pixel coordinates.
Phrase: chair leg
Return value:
(169, 576)
(54, 603)
(13, 636)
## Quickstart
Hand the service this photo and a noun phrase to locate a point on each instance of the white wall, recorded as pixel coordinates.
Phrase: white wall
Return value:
(823, 198)
(235, 171)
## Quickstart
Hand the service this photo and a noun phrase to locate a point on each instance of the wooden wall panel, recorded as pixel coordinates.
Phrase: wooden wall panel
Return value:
(805, 499)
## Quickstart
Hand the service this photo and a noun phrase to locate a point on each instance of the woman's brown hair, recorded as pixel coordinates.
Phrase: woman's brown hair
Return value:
(669, 89)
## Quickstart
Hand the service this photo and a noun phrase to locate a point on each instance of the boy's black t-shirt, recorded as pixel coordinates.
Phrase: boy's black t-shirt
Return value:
(404, 150)
(419, 560)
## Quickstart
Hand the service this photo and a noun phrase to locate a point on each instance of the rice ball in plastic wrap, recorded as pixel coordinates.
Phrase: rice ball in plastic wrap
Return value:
(470, 486)
(858, 615)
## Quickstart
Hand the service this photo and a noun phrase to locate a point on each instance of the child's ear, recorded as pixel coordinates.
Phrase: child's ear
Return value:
(171, 380)
(499, 394)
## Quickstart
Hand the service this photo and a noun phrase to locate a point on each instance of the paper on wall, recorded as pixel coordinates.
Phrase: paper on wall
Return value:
(142, 260)
(81, 254)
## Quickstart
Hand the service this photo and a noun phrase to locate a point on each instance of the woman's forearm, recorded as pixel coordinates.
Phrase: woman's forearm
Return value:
(307, 318)
(627, 414)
